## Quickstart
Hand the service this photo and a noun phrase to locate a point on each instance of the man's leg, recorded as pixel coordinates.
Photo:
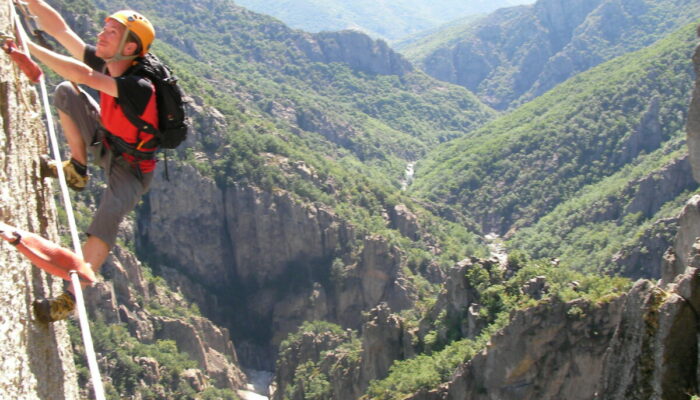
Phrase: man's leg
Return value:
(79, 117)
(95, 252)
(75, 140)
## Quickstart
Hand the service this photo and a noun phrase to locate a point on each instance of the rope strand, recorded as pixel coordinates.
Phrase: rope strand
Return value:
(80, 303)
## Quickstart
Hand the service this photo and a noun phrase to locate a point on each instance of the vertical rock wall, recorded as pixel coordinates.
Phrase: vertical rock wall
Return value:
(35, 359)
(693, 124)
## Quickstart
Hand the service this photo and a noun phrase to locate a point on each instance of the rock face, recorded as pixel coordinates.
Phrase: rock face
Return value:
(359, 51)
(271, 258)
(647, 196)
(518, 53)
(309, 347)
(120, 299)
(552, 351)
(680, 255)
(459, 303)
(384, 340)
(655, 349)
(37, 361)
(643, 345)
(645, 258)
(693, 124)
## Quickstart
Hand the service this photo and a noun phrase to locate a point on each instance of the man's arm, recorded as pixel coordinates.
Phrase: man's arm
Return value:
(53, 23)
(74, 70)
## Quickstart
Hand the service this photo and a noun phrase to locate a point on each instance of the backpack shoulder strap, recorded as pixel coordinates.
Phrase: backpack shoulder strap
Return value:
(140, 69)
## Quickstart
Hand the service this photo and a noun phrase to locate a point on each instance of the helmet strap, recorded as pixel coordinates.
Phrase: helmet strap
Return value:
(119, 56)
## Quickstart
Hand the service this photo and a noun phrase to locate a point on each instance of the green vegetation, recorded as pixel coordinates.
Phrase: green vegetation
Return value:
(419, 46)
(582, 236)
(311, 378)
(498, 301)
(426, 371)
(519, 168)
(316, 328)
(310, 382)
(123, 352)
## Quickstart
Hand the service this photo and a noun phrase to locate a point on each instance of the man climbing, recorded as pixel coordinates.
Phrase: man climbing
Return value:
(100, 131)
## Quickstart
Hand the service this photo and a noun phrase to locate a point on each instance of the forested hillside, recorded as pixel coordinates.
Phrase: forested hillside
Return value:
(588, 142)
(291, 222)
(516, 54)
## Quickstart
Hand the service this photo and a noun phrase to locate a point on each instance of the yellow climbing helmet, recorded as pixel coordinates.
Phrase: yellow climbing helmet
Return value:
(138, 25)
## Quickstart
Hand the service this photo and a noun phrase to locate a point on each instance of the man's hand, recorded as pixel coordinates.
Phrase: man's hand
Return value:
(53, 24)
(32, 24)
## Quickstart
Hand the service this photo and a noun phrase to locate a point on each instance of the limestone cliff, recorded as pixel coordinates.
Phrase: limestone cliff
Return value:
(693, 124)
(37, 361)
(153, 312)
(359, 51)
(273, 260)
(642, 345)
(647, 196)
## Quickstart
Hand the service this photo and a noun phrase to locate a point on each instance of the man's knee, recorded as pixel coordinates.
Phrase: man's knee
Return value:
(64, 94)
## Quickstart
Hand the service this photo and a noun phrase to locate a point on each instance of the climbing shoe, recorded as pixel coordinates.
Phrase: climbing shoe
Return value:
(54, 308)
(75, 172)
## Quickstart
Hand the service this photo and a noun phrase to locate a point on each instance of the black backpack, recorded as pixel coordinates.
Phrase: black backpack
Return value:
(172, 120)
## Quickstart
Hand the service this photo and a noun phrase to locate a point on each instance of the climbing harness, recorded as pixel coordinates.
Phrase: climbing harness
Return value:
(74, 275)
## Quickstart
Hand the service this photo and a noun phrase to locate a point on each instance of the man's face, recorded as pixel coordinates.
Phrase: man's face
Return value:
(109, 39)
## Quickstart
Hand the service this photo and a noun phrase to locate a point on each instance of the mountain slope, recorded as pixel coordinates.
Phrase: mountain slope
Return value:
(389, 20)
(517, 54)
(516, 169)
(342, 82)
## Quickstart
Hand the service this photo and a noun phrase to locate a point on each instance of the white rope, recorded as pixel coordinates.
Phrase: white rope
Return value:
(80, 302)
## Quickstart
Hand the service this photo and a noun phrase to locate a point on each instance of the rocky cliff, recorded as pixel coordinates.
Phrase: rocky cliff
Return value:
(646, 196)
(643, 345)
(346, 362)
(153, 311)
(359, 51)
(271, 259)
(37, 360)
(693, 123)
